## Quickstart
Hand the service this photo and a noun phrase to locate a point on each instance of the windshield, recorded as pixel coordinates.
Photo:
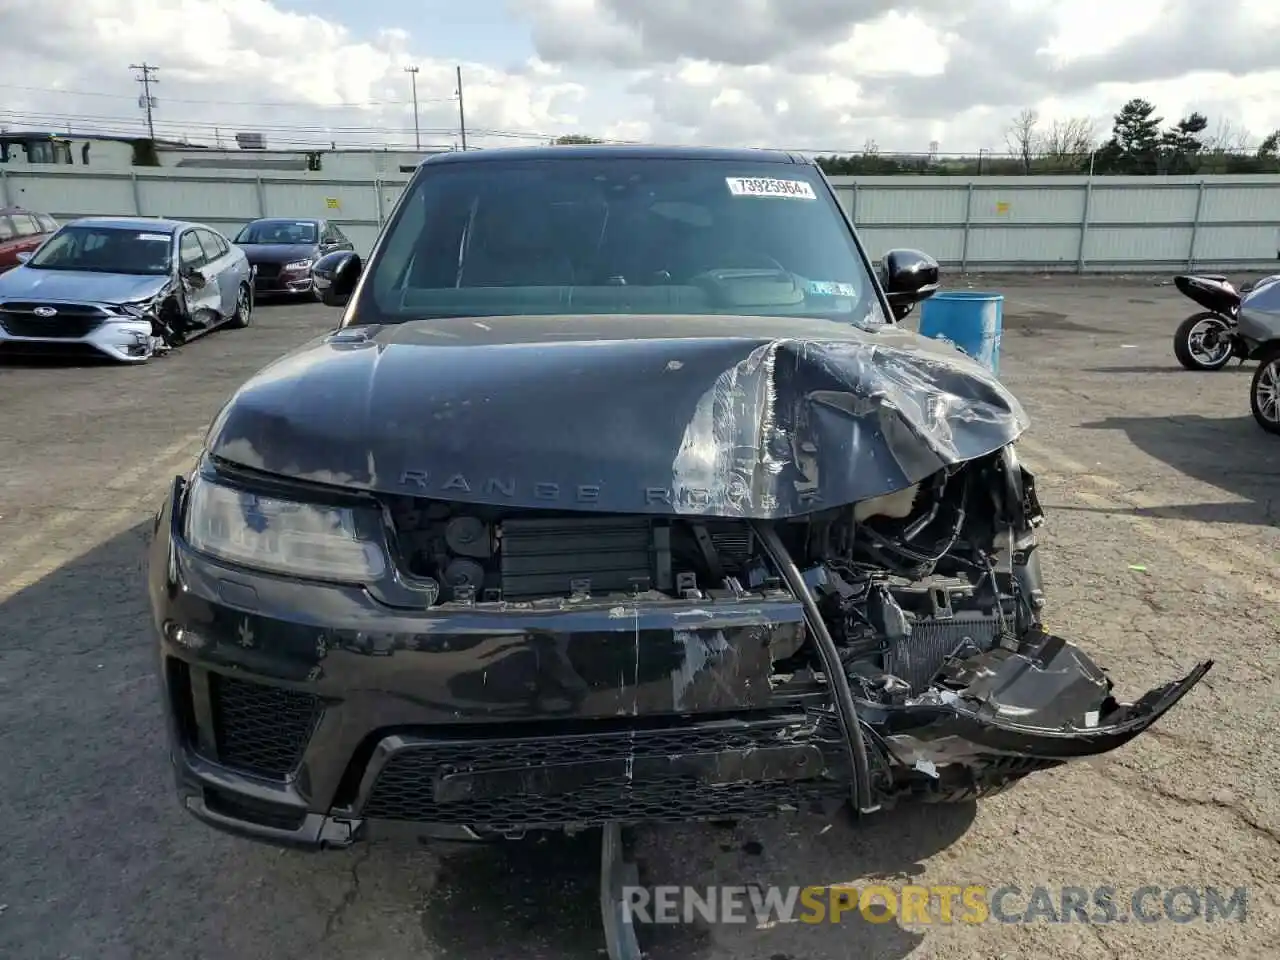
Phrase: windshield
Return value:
(618, 235)
(278, 231)
(98, 249)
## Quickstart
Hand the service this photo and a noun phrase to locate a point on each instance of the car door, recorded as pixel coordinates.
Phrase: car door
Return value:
(202, 296)
(8, 245)
(218, 271)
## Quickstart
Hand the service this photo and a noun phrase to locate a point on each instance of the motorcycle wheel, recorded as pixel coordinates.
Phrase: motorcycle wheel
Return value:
(1189, 346)
(1264, 392)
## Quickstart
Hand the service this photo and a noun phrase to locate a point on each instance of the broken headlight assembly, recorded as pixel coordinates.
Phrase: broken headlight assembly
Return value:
(302, 540)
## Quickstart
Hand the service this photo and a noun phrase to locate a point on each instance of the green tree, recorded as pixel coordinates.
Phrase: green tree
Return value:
(1182, 143)
(1134, 147)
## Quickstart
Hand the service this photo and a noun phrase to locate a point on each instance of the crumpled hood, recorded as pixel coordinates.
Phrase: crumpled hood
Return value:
(25, 283)
(718, 416)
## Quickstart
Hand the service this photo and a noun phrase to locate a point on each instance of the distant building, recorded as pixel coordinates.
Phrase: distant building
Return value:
(32, 147)
(118, 154)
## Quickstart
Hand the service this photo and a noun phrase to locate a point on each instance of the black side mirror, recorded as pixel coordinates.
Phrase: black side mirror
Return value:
(335, 275)
(908, 276)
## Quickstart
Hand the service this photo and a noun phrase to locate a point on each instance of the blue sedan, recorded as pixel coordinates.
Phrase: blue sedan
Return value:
(123, 288)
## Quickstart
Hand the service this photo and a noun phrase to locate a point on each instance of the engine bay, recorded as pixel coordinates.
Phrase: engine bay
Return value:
(943, 570)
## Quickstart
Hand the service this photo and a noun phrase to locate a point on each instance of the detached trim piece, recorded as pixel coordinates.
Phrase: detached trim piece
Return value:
(842, 693)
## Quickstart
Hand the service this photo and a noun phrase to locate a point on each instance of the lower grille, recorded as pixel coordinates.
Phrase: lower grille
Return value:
(60, 327)
(918, 660)
(260, 729)
(406, 787)
(70, 350)
(267, 272)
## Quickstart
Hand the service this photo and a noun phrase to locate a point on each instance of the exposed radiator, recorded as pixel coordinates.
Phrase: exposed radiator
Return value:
(932, 641)
(546, 557)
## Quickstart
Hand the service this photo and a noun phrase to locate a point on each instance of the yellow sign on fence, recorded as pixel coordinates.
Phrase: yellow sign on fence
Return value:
(331, 203)
(1002, 207)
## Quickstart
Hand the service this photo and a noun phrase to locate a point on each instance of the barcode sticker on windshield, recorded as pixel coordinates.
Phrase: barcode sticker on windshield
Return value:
(829, 288)
(154, 236)
(768, 187)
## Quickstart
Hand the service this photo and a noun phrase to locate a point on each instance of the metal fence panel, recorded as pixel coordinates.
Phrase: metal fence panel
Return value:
(1068, 223)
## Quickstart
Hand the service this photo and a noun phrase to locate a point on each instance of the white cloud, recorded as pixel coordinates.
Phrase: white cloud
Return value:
(247, 64)
(814, 74)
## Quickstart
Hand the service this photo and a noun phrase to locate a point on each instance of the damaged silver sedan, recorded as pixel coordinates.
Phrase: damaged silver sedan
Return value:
(619, 495)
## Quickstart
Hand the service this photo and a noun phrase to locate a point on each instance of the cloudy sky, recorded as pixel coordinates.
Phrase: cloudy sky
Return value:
(825, 75)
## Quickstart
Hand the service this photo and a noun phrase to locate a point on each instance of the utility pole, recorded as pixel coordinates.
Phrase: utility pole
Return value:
(146, 101)
(413, 79)
(462, 116)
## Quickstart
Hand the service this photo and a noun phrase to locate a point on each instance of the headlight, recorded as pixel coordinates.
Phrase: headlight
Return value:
(282, 536)
(299, 265)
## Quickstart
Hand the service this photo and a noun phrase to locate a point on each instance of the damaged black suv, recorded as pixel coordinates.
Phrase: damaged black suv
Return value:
(619, 494)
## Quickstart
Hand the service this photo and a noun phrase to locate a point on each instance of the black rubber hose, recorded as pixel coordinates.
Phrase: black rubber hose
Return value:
(842, 694)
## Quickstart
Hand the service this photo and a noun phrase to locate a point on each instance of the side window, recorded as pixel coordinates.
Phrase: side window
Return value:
(209, 243)
(338, 234)
(6, 229)
(190, 253)
(24, 226)
(223, 247)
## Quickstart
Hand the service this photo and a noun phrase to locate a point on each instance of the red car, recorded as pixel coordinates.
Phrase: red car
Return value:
(22, 231)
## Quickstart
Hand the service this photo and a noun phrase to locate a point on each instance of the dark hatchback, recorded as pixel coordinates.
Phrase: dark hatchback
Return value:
(282, 252)
(619, 494)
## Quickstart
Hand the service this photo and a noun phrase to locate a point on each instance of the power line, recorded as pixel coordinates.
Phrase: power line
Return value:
(308, 104)
(147, 101)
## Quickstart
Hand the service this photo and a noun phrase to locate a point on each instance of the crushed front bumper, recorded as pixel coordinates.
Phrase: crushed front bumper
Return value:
(315, 715)
(126, 341)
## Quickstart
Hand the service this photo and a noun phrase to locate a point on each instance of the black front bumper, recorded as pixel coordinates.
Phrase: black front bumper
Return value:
(314, 715)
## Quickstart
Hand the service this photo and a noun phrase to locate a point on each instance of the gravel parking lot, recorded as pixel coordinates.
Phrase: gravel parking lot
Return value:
(1163, 546)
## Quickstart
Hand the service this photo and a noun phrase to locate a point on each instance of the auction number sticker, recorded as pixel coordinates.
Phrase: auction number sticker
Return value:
(162, 237)
(769, 187)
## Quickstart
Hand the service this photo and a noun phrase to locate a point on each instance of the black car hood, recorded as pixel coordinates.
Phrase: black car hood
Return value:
(278, 252)
(718, 416)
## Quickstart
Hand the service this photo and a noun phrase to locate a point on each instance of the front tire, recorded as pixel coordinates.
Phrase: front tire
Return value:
(244, 309)
(1264, 391)
(1189, 342)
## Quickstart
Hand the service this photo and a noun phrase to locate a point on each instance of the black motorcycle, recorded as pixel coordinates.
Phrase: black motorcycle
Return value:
(1208, 340)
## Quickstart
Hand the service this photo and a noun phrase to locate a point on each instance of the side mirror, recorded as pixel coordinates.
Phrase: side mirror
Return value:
(908, 276)
(24, 256)
(335, 275)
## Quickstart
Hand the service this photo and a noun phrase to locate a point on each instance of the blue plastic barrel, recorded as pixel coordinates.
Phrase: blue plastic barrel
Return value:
(972, 321)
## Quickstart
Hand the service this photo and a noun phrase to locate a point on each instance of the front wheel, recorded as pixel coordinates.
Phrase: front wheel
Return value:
(1264, 391)
(1203, 342)
(244, 310)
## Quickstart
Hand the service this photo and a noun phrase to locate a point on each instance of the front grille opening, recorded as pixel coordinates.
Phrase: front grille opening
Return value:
(405, 789)
(260, 812)
(61, 327)
(258, 728)
(488, 554)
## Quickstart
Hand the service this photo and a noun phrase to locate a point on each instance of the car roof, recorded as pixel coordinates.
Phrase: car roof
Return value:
(151, 224)
(603, 151)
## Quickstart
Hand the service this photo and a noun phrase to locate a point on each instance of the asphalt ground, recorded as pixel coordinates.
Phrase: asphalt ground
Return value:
(1161, 547)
